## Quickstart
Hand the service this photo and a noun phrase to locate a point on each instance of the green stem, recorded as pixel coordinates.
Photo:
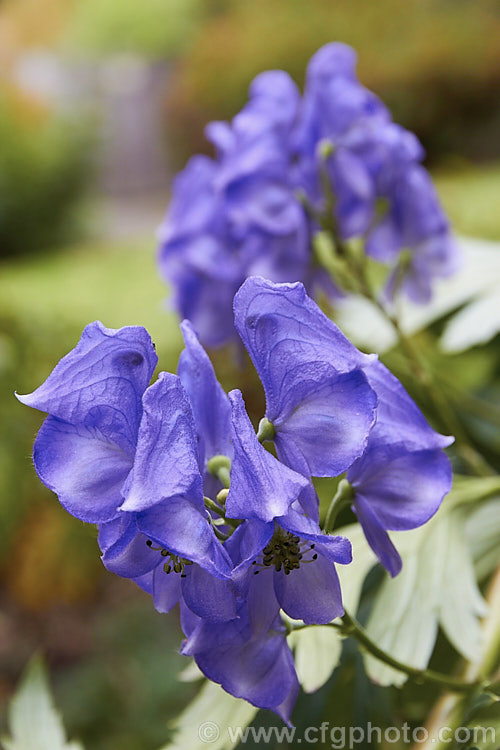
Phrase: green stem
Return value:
(450, 423)
(351, 627)
(342, 499)
(455, 684)
(220, 534)
(470, 456)
(220, 467)
(210, 505)
(224, 477)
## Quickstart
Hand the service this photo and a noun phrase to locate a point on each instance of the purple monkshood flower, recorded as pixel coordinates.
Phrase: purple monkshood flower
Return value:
(382, 192)
(133, 458)
(239, 214)
(334, 104)
(209, 402)
(197, 255)
(248, 656)
(236, 216)
(277, 539)
(118, 452)
(167, 575)
(402, 477)
(318, 399)
(322, 392)
(289, 564)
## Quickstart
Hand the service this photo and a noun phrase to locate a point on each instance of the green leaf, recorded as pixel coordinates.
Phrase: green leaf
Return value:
(483, 532)
(205, 721)
(317, 652)
(191, 673)
(364, 324)
(476, 283)
(352, 576)
(476, 323)
(34, 722)
(479, 704)
(436, 586)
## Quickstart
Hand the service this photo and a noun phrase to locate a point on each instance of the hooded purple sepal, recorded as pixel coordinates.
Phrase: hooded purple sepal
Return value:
(166, 460)
(184, 529)
(318, 398)
(261, 486)
(211, 408)
(402, 477)
(101, 382)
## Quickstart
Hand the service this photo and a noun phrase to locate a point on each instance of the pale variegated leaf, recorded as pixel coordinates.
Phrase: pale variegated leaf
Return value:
(476, 283)
(398, 622)
(317, 652)
(476, 323)
(483, 532)
(190, 673)
(352, 576)
(436, 586)
(34, 722)
(205, 721)
(461, 603)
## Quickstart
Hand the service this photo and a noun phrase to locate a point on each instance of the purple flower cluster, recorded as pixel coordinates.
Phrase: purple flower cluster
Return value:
(193, 508)
(239, 214)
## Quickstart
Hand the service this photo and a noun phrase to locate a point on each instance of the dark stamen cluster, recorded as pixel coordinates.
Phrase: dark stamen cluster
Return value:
(285, 551)
(174, 563)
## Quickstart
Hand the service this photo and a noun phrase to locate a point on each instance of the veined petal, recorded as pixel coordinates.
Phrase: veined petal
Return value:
(291, 455)
(261, 486)
(311, 592)
(167, 589)
(282, 328)
(211, 408)
(209, 597)
(166, 459)
(130, 556)
(189, 621)
(328, 417)
(184, 529)
(83, 468)
(262, 606)
(119, 532)
(108, 368)
(399, 420)
(258, 670)
(248, 541)
(145, 582)
(404, 488)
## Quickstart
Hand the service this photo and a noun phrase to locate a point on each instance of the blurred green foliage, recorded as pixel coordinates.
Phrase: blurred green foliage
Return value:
(43, 173)
(157, 29)
(434, 62)
(470, 198)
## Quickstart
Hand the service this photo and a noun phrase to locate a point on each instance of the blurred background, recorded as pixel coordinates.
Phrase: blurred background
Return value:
(100, 103)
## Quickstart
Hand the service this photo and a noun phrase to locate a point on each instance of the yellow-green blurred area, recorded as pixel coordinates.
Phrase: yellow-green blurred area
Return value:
(100, 102)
